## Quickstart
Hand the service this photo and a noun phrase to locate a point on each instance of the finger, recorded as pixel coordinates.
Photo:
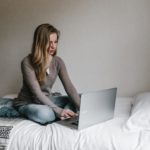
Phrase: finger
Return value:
(65, 114)
(62, 118)
(76, 114)
(70, 112)
(65, 117)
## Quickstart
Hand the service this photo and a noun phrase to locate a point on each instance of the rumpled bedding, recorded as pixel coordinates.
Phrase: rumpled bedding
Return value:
(110, 135)
(6, 125)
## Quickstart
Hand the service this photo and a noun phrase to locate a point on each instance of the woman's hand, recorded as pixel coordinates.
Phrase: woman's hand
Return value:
(67, 113)
(64, 113)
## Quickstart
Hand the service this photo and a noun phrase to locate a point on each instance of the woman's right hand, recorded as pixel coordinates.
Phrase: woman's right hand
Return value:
(67, 113)
(64, 113)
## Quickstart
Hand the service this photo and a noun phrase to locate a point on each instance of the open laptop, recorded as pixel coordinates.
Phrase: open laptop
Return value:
(95, 107)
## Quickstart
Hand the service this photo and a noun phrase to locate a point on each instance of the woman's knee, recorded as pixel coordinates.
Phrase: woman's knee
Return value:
(38, 113)
(46, 115)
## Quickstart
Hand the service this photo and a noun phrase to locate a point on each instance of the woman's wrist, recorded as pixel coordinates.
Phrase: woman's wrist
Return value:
(57, 111)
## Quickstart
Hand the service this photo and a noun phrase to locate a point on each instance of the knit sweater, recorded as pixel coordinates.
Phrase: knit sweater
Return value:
(33, 92)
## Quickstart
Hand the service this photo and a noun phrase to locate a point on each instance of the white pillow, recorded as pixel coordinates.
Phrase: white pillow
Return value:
(123, 107)
(140, 115)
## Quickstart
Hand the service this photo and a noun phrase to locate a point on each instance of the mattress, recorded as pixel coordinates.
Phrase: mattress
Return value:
(12, 129)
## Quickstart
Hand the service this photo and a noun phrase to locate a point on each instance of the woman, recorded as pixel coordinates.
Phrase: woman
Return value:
(39, 70)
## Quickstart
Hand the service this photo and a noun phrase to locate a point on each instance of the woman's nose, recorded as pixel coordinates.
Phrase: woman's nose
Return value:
(52, 45)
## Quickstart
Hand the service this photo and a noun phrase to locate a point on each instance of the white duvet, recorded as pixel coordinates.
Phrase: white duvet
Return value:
(110, 135)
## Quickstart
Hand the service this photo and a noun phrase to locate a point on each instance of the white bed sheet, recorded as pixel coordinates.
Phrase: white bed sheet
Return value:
(110, 135)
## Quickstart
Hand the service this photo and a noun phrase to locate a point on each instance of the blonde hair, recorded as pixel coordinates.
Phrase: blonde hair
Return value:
(39, 53)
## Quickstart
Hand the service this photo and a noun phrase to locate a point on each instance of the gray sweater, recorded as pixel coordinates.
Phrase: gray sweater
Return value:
(32, 92)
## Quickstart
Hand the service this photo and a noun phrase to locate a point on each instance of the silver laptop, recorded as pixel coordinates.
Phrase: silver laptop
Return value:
(95, 107)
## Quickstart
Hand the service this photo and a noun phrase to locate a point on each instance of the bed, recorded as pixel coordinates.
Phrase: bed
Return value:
(128, 130)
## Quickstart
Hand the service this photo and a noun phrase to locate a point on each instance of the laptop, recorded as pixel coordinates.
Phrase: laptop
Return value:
(95, 107)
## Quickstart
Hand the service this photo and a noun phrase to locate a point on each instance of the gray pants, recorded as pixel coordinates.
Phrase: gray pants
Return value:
(42, 113)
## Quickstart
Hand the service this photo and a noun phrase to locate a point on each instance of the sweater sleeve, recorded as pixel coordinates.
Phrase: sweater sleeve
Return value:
(68, 86)
(30, 79)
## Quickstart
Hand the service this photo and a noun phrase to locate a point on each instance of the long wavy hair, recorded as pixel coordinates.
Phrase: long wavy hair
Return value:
(39, 51)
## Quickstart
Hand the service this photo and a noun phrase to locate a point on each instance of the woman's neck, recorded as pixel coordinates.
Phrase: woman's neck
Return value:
(49, 60)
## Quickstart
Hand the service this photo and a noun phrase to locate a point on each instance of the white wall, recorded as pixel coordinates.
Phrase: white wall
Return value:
(104, 43)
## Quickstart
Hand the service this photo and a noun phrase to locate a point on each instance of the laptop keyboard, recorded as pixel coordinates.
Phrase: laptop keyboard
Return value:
(75, 120)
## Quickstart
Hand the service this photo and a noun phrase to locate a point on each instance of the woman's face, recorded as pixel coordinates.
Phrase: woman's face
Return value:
(52, 44)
